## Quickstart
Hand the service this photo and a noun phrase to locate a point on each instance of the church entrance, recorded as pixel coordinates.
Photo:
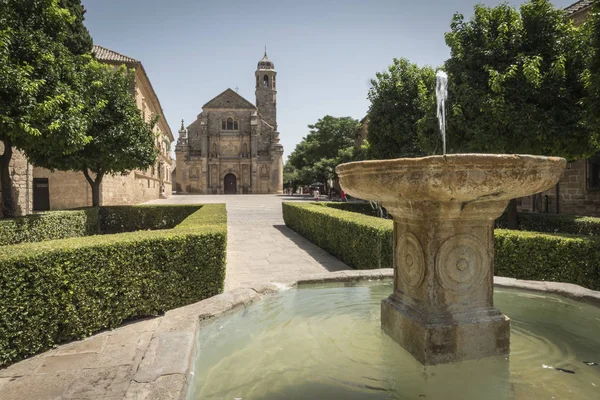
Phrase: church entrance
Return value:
(230, 184)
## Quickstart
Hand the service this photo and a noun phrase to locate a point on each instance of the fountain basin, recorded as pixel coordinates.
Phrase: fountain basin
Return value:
(444, 207)
(324, 342)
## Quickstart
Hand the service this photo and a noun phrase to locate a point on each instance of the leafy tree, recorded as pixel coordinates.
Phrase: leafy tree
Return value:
(400, 100)
(40, 104)
(317, 155)
(120, 140)
(78, 39)
(592, 74)
(515, 84)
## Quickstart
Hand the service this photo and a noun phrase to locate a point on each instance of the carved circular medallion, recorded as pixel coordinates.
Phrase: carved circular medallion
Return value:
(462, 263)
(410, 260)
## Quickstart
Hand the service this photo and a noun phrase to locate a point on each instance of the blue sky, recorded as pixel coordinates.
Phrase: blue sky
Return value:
(325, 51)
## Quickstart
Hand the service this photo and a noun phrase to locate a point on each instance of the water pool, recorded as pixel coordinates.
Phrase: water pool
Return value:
(325, 342)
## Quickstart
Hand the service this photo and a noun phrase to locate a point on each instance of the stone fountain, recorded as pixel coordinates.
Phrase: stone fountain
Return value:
(444, 207)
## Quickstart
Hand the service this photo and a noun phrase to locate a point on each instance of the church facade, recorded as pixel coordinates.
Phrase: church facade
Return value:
(233, 145)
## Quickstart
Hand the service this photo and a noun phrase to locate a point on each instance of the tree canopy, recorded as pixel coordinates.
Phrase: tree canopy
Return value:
(40, 104)
(515, 82)
(119, 139)
(402, 99)
(329, 142)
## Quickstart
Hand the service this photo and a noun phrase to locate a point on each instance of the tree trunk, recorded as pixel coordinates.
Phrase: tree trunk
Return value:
(513, 217)
(8, 204)
(95, 184)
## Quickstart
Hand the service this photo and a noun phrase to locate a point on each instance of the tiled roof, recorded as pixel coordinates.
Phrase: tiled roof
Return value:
(107, 55)
(578, 6)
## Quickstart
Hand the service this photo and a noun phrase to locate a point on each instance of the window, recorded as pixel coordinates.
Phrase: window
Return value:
(266, 81)
(594, 173)
(230, 124)
(273, 82)
(256, 80)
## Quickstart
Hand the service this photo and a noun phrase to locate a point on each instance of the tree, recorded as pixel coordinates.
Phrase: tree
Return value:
(400, 100)
(316, 156)
(120, 140)
(78, 39)
(40, 104)
(592, 75)
(515, 84)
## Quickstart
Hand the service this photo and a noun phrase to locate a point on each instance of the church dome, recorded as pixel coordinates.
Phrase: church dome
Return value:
(265, 63)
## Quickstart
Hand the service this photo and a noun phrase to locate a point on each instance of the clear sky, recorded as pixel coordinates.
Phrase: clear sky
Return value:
(325, 51)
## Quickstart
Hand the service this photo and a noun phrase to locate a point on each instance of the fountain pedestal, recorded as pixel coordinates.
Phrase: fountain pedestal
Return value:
(444, 208)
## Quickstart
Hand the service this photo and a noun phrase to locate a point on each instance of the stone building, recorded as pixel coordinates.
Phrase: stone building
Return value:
(233, 145)
(61, 190)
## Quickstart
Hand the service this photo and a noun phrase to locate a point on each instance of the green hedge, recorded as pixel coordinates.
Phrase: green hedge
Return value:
(55, 291)
(360, 241)
(118, 219)
(548, 257)
(361, 208)
(49, 226)
(555, 223)
(54, 225)
(535, 222)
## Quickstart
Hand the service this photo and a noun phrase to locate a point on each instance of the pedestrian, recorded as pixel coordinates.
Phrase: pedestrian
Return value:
(343, 196)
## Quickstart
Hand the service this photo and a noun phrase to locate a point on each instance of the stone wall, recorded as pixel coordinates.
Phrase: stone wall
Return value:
(71, 189)
(574, 196)
(22, 180)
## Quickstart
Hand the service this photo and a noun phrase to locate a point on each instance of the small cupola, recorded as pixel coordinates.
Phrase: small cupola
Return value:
(265, 63)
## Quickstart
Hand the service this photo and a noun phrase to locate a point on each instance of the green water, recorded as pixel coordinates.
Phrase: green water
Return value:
(325, 342)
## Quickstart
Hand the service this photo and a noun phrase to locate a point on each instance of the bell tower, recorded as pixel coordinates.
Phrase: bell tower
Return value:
(266, 90)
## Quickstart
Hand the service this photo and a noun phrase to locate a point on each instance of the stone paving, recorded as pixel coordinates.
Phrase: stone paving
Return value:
(147, 359)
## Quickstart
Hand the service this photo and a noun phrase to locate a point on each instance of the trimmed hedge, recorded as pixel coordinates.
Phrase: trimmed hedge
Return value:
(555, 223)
(49, 226)
(61, 290)
(118, 219)
(536, 222)
(364, 242)
(547, 257)
(54, 225)
(360, 241)
(360, 208)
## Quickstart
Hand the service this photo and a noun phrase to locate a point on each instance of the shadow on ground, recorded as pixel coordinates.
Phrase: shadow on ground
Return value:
(328, 261)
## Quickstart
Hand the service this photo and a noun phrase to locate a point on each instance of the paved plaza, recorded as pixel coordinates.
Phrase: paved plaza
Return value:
(126, 362)
(260, 248)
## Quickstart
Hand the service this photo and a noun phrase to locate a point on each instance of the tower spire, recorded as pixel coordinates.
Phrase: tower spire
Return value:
(265, 49)
(182, 128)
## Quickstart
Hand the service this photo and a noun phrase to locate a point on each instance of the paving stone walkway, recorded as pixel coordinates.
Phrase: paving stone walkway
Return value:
(107, 366)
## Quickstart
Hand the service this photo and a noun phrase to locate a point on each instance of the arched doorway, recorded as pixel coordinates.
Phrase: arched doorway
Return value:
(230, 184)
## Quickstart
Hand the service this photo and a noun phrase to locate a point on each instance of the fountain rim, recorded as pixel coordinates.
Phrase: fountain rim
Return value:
(455, 162)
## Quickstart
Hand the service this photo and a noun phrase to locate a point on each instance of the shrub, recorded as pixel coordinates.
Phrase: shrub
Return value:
(54, 225)
(366, 242)
(117, 219)
(49, 226)
(547, 257)
(61, 290)
(361, 208)
(360, 241)
(555, 223)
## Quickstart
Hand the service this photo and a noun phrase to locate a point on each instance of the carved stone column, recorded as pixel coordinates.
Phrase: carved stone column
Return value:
(442, 307)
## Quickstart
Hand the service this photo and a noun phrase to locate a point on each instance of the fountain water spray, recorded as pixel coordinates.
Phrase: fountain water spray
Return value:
(441, 94)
